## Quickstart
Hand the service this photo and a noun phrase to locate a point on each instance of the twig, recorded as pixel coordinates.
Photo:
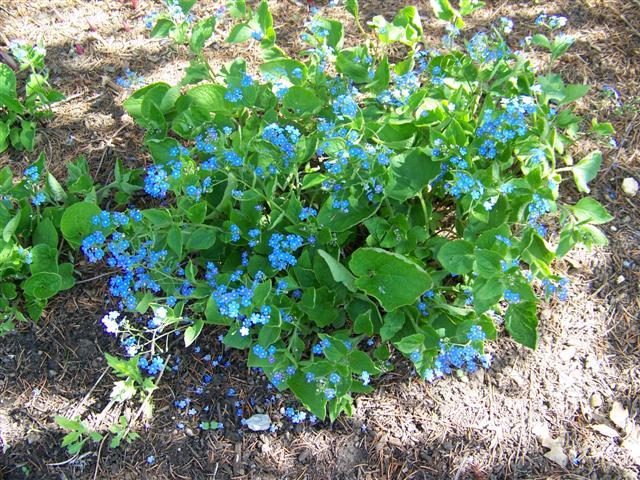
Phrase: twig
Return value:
(72, 459)
(95, 472)
(93, 278)
(79, 406)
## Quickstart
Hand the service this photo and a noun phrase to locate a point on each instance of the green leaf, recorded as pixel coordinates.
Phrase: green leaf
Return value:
(42, 285)
(158, 217)
(586, 170)
(335, 31)
(268, 335)
(286, 67)
(487, 262)
(57, 192)
(390, 277)
(444, 10)
(11, 227)
(361, 362)
(75, 223)
(302, 101)
(308, 394)
(589, 210)
(456, 256)
(604, 128)
(363, 324)
(65, 270)
(192, 332)
(213, 315)
(487, 292)
(411, 343)
(573, 93)
(541, 41)
(393, 323)
(201, 239)
(8, 93)
(521, 322)
(339, 272)
(239, 33)
(201, 32)
(27, 134)
(174, 240)
(44, 258)
(381, 77)
(319, 305)
(352, 7)
(162, 28)
(411, 171)
(233, 339)
(209, 98)
(351, 63)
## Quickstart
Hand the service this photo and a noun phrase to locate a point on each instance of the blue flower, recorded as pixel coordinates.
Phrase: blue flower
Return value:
(476, 333)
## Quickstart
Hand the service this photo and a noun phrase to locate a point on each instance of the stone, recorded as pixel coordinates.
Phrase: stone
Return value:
(259, 422)
(630, 186)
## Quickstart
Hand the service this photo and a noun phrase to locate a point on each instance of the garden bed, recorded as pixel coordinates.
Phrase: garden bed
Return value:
(486, 425)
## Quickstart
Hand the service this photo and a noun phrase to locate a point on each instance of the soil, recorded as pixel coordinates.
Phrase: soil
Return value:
(485, 426)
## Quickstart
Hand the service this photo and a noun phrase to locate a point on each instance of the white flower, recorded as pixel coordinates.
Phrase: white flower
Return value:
(110, 322)
(244, 331)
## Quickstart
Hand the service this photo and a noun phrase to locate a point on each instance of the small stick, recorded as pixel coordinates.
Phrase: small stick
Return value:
(79, 406)
(95, 472)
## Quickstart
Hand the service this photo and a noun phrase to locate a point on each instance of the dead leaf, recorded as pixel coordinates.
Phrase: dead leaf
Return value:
(606, 430)
(619, 415)
(632, 444)
(556, 453)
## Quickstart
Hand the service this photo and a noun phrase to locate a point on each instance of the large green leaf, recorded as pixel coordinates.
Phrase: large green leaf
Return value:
(308, 394)
(42, 285)
(586, 170)
(521, 322)
(76, 222)
(411, 171)
(457, 256)
(391, 278)
(591, 211)
(339, 272)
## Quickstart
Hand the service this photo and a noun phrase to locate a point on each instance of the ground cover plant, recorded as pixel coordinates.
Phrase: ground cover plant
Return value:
(347, 206)
(20, 108)
(347, 201)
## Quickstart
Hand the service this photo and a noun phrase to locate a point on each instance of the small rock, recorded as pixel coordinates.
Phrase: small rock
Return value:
(259, 422)
(568, 353)
(605, 430)
(304, 456)
(630, 186)
(620, 279)
(596, 400)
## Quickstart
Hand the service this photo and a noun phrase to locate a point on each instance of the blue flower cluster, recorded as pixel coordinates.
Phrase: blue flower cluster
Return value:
(506, 126)
(462, 184)
(284, 138)
(130, 79)
(485, 48)
(455, 357)
(282, 250)
(403, 87)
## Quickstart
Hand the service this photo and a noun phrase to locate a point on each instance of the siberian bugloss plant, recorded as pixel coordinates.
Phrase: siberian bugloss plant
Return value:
(23, 103)
(331, 209)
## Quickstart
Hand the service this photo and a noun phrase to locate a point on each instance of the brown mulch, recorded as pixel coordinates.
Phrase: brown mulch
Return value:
(479, 427)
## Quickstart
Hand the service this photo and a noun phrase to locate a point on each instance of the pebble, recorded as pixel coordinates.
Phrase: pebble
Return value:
(259, 422)
(596, 400)
(630, 186)
(620, 279)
